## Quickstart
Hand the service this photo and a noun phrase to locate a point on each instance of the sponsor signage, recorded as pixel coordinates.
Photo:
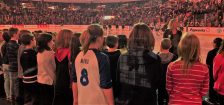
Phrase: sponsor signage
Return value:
(206, 30)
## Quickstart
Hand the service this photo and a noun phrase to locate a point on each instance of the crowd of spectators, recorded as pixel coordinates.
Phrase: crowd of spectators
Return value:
(205, 13)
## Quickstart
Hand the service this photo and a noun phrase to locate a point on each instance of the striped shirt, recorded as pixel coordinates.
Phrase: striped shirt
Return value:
(187, 89)
(12, 52)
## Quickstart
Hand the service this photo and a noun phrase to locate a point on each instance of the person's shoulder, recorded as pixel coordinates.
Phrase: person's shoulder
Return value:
(100, 54)
(155, 56)
(175, 64)
(213, 51)
(151, 58)
(219, 57)
(204, 67)
(33, 51)
(47, 52)
(175, 57)
(13, 43)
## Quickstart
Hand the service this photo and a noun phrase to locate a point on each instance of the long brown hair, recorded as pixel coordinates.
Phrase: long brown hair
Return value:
(90, 36)
(141, 37)
(63, 38)
(189, 50)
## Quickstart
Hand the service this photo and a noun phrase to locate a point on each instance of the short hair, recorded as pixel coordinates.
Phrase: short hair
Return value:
(111, 41)
(13, 31)
(21, 33)
(26, 39)
(217, 42)
(6, 37)
(122, 41)
(43, 41)
(166, 43)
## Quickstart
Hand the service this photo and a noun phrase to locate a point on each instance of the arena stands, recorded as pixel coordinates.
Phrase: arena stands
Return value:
(207, 13)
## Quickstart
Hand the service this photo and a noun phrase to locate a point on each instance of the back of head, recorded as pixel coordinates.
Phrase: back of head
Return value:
(63, 38)
(166, 44)
(90, 36)
(122, 41)
(26, 39)
(21, 33)
(74, 47)
(111, 41)
(42, 42)
(141, 37)
(6, 37)
(13, 31)
(217, 42)
(37, 33)
(189, 50)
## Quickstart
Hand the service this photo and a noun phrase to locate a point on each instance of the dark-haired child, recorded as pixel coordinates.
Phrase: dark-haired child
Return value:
(113, 54)
(28, 61)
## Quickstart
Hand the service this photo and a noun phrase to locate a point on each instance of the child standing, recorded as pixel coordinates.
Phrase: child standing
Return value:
(166, 57)
(28, 61)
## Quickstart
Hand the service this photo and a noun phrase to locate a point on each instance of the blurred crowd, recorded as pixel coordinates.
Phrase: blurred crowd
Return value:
(205, 13)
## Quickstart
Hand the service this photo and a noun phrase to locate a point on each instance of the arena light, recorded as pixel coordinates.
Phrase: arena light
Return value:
(108, 17)
(52, 7)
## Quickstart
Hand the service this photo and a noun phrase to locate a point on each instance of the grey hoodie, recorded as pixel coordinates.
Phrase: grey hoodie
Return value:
(166, 57)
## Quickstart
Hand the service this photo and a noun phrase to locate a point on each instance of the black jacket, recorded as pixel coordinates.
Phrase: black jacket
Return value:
(114, 56)
(12, 53)
(28, 62)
